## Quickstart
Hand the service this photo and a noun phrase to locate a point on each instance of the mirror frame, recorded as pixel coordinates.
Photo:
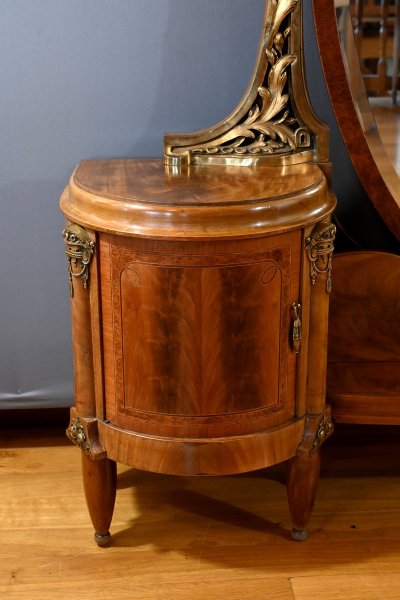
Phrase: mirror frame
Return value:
(381, 181)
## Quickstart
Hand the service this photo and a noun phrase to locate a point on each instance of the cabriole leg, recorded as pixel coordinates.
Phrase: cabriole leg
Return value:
(100, 484)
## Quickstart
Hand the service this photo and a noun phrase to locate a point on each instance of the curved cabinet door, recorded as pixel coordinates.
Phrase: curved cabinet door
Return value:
(196, 335)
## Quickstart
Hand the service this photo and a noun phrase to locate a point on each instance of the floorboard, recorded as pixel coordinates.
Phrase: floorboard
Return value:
(200, 538)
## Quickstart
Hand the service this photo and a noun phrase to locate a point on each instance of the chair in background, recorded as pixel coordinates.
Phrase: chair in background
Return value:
(373, 22)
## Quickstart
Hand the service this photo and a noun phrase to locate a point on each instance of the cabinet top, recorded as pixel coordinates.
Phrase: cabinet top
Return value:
(138, 197)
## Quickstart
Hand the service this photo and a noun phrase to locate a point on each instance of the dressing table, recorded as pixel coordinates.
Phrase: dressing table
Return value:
(199, 290)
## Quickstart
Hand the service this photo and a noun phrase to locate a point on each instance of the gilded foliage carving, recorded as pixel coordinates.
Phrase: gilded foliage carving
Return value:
(270, 126)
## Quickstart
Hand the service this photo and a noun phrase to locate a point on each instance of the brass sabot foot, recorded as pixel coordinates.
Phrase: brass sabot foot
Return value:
(299, 535)
(102, 539)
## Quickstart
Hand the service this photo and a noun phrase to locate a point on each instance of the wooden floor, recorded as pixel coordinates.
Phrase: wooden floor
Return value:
(200, 539)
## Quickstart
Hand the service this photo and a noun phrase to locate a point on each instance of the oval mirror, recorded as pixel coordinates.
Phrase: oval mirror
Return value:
(365, 144)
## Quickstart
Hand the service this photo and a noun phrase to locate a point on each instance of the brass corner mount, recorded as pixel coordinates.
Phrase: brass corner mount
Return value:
(79, 250)
(84, 433)
(320, 247)
(274, 122)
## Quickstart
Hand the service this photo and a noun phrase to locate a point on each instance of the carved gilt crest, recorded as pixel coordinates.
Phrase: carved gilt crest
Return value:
(268, 123)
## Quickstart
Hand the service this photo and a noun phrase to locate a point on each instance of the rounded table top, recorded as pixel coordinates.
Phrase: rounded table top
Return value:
(142, 197)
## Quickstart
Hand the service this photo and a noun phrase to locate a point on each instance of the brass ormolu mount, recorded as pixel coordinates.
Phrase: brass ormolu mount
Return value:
(84, 433)
(274, 121)
(320, 247)
(79, 250)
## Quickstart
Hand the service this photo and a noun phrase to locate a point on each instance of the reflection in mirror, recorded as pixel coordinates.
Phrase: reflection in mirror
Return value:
(380, 120)
(387, 117)
(373, 27)
(351, 62)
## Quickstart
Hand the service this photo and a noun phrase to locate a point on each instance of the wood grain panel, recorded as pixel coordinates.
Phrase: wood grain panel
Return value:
(365, 308)
(194, 336)
(223, 456)
(161, 340)
(201, 341)
(364, 339)
(107, 328)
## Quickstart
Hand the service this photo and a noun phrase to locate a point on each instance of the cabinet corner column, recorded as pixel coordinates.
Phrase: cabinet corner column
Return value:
(98, 472)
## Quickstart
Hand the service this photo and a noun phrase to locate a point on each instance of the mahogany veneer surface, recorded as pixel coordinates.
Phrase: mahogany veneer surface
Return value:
(140, 198)
(364, 339)
(195, 331)
(190, 357)
(151, 182)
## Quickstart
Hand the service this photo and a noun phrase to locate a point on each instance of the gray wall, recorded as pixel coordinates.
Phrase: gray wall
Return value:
(88, 79)
(91, 79)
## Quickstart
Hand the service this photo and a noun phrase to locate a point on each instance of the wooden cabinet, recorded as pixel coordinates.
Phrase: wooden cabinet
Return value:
(200, 344)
